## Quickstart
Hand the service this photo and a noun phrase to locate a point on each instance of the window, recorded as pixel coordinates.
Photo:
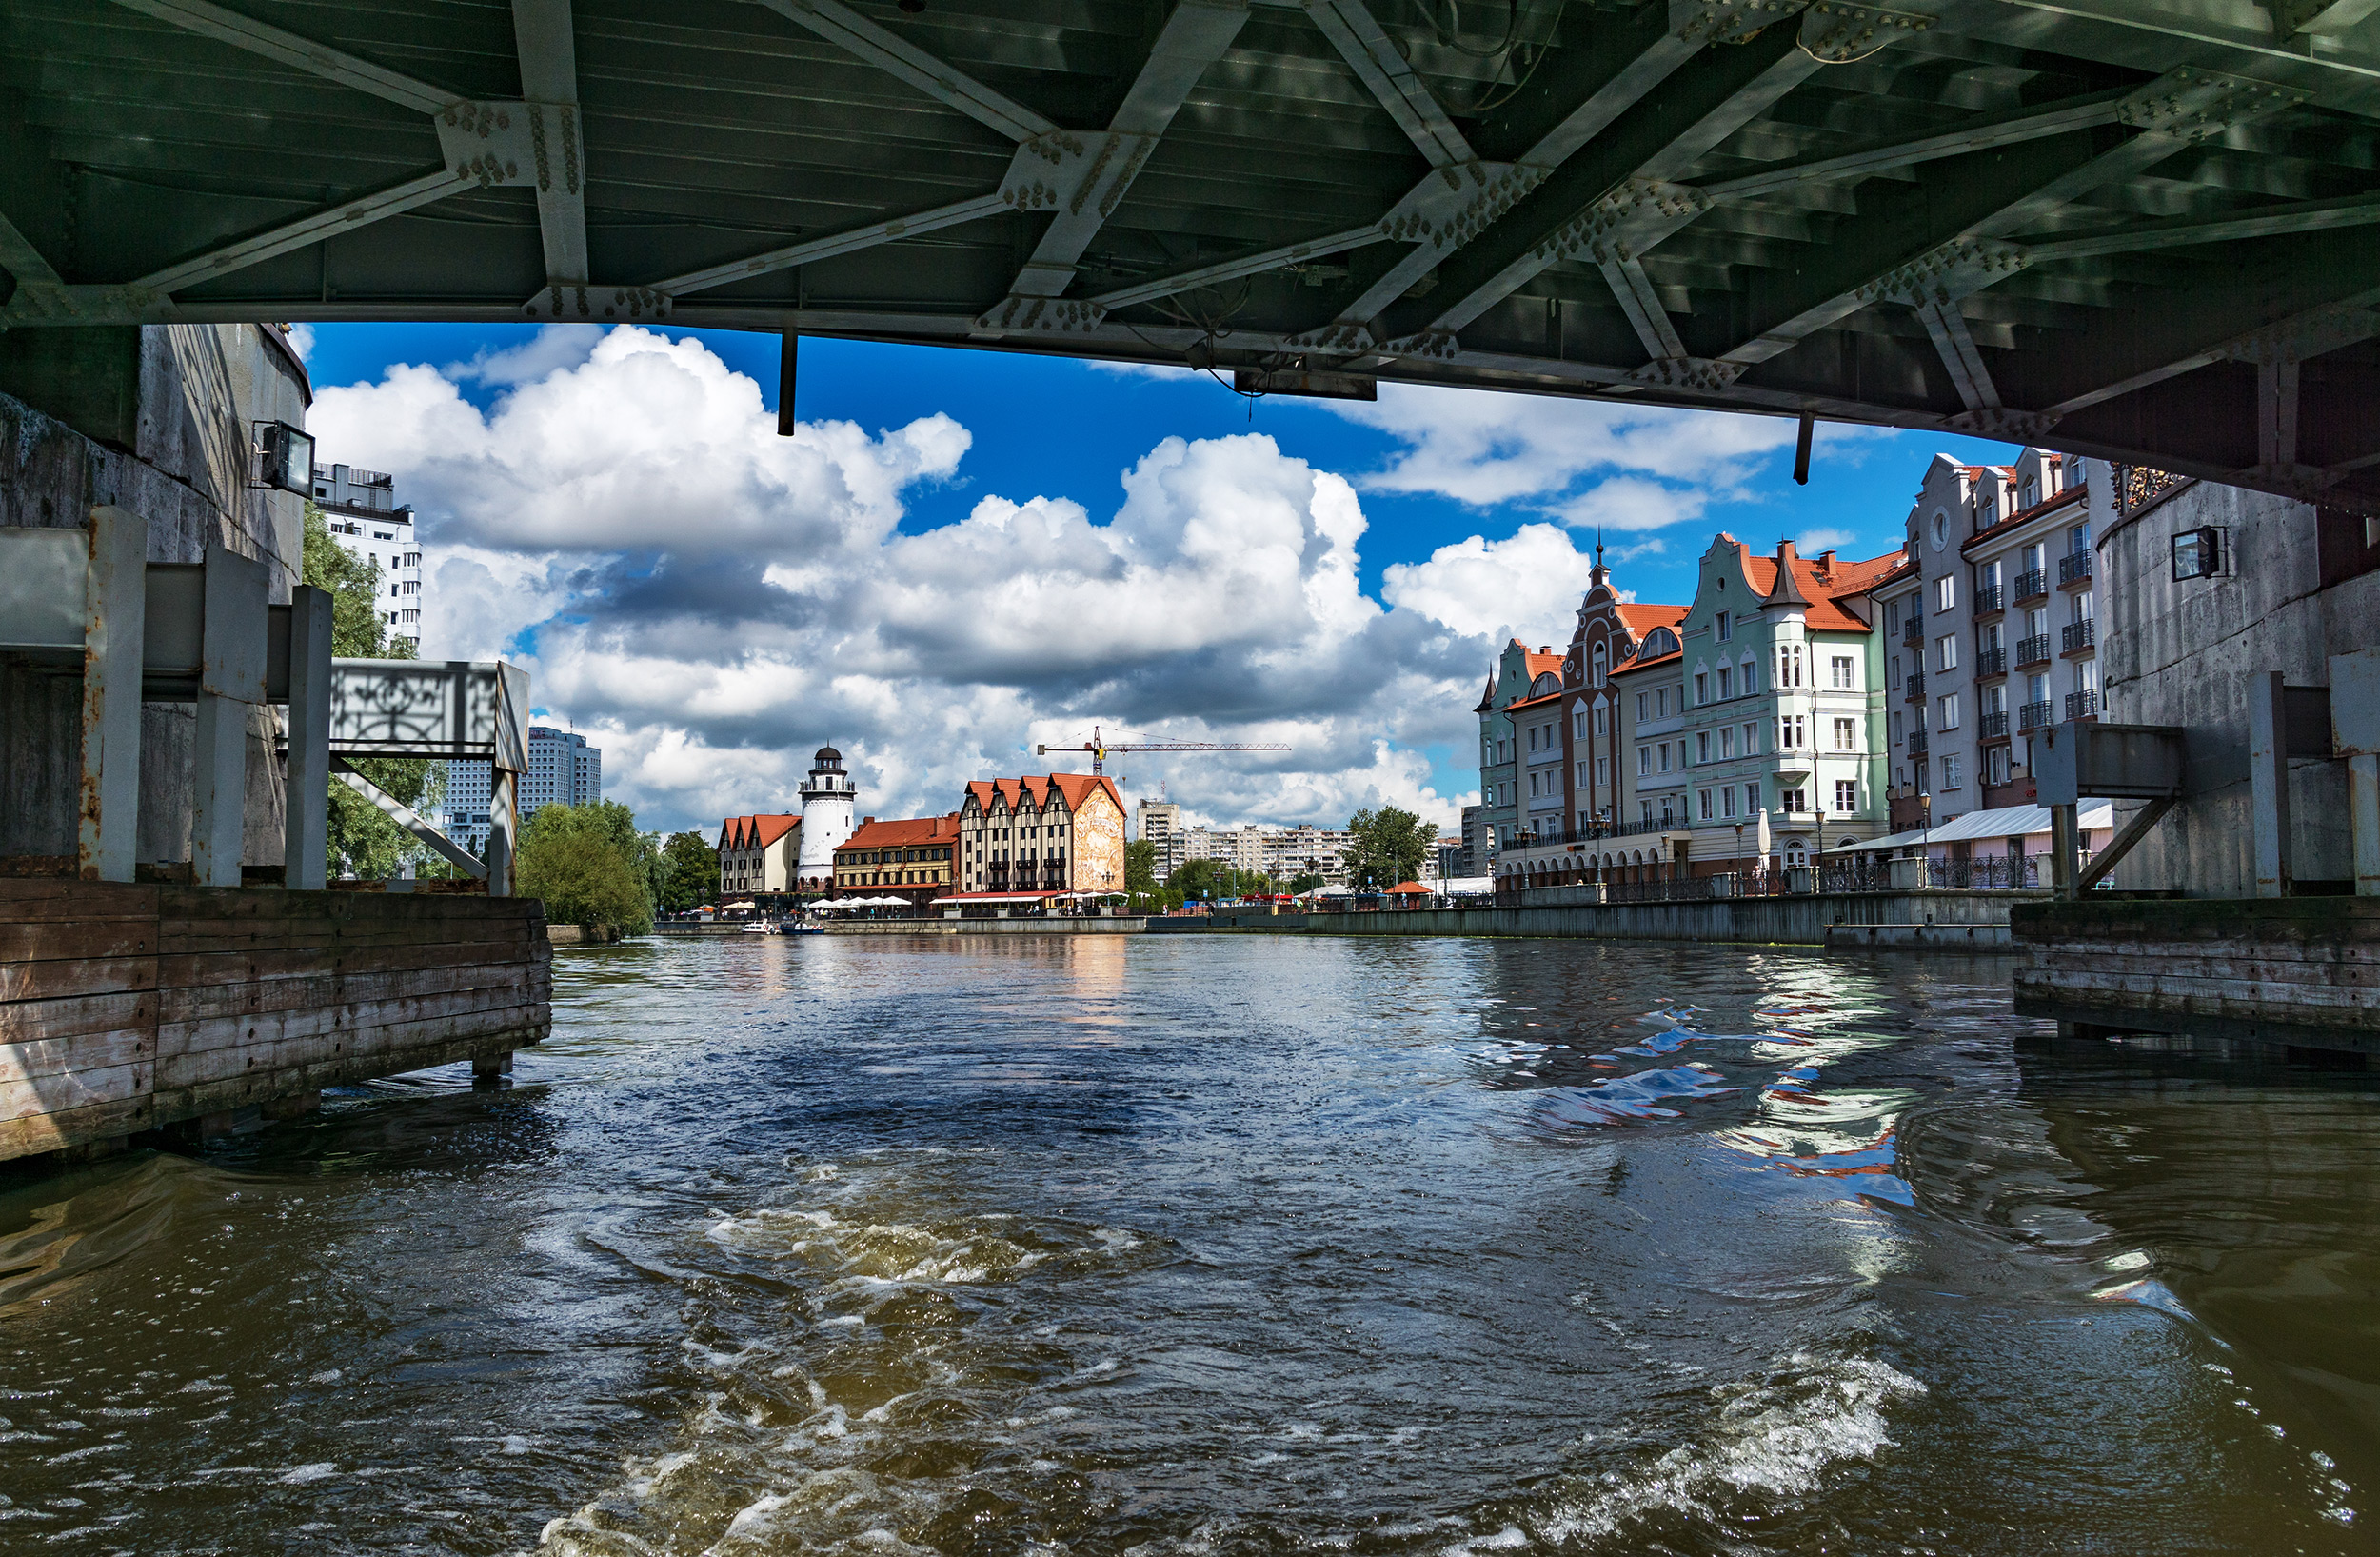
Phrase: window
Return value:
(1602, 771)
(1726, 678)
(1752, 738)
(1948, 706)
(1790, 800)
(1846, 794)
(1642, 717)
(1660, 701)
(1603, 720)
(1532, 786)
(1946, 651)
(1702, 798)
(1838, 674)
(1950, 771)
(1532, 737)
(1726, 627)
(1895, 728)
(1945, 592)
(1644, 760)
(1665, 812)
(1599, 663)
(1644, 809)
(1846, 734)
(1681, 755)
(1996, 766)
(1751, 798)
(1792, 732)
(1727, 743)
(1703, 746)
(1702, 688)
(1727, 800)
(1892, 619)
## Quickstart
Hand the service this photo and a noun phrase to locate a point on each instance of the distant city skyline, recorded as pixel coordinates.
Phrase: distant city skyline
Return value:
(927, 579)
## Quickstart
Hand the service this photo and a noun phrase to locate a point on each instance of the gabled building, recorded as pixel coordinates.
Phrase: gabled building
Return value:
(1061, 832)
(1521, 676)
(913, 857)
(758, 855)
(1784, 668)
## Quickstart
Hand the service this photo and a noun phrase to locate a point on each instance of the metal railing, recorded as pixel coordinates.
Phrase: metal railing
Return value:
(1994, 726)
(1917, 686)
(2034, 716)
(2082, 635)
(2082, 705)
(1593, 833)
(2032, 650)
(1914, 631)
(2034, 580)
(2074, 567)
(1916, 743)
(1985, 872)
(1992, 661)
(1987, 599)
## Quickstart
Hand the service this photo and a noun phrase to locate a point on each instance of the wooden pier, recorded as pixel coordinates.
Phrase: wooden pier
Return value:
(130, 1008)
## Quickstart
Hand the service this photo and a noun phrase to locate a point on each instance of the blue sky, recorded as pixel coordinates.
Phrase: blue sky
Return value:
(681, 544)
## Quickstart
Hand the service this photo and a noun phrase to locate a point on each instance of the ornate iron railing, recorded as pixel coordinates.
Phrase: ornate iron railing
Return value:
(2031, 582)
(1917, 686)
(1987, 599)
(1992, 661)
(2032, 650)
(2082, 635)
(1994, 726)
(2034, 716)
(1916, 743)
(2074, 567)
(2082, 705)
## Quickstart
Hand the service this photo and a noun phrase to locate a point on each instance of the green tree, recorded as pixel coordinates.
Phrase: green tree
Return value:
(1390, 846)
(1201, 878)
(1307, 882)
(361, 840)
(1140, 867)
(590, 865)
(689, 873)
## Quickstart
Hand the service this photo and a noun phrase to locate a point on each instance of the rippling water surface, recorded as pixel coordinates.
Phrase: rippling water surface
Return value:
(1225, 1244)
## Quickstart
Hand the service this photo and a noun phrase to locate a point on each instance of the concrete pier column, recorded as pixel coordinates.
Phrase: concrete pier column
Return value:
(114, 616)
(231, 683)
(2064, 845)
(2363, 810)
(490, 1067)
(2269, 782)
(306, 842)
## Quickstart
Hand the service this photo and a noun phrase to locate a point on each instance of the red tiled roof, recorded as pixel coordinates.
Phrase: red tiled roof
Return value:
(1532, 702)
(904, 833)
(757, 832)
(1826, 612)
(1643, 619)
(1641, 663)
(1074, 787)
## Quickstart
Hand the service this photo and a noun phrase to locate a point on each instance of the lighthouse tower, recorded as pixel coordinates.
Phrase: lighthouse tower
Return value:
(826, 801)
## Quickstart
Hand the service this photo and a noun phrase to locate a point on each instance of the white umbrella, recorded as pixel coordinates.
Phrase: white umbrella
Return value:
(1764, 840)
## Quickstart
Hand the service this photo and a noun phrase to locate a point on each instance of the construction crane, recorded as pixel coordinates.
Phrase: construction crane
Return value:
(1099, 749)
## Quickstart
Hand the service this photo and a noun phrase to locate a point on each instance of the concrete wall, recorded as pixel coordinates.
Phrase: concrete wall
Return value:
(1794, 921)
(2181, 654)
(156, 420)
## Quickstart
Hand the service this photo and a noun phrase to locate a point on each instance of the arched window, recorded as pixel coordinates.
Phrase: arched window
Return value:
(1600, 664)
(1659, 642)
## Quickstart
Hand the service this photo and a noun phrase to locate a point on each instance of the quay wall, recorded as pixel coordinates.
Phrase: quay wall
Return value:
(127, 1008)
(989, 926)
(2298, 971)
(1801, 920)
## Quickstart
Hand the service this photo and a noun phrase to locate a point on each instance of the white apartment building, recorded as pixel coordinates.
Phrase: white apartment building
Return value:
(564, 771)
(463, 812)
(362, 510)
(1278, 851)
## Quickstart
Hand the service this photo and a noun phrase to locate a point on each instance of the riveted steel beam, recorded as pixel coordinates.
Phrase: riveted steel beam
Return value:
(855, 34)
(549, 83)
(1087, 174)
(850, 241)
(1382, 67)
(299, 53)
(344, 217)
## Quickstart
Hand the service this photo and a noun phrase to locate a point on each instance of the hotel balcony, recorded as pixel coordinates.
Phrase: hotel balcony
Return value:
(1916, 687)
(2031, 585)
(2082, 705)
(2034, 650)
(1991, 661)
(2079, 635)
(1988, 600)
(2073, 570)
(1916, 743)
(1994, 726)
(2032, 716)
(1914, 633)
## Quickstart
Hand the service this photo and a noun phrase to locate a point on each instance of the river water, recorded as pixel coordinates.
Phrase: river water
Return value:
(1225, 1244)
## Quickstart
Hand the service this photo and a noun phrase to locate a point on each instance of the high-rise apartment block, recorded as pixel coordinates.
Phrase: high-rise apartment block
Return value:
(564, 771)
(366, 519)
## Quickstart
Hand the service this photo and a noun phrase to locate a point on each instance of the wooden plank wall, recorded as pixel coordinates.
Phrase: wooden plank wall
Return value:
(2302, 969)
(124, 1008)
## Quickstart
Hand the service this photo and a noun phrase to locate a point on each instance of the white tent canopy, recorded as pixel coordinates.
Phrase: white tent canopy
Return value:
(2007, 822)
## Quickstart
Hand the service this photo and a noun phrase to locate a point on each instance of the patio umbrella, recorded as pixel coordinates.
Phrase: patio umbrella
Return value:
(1764, 839)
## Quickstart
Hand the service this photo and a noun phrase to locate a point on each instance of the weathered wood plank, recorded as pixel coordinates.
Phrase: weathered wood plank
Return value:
(188, 1052)
(80, 939)
(33, 902)
(62, 1092)
(421, 1053)
(328, 990)
(71, 1016)
(57, 980)
(79, 1052)
(73, 1126)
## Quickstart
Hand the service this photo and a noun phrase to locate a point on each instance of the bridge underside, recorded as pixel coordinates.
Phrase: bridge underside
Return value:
(2116, 226)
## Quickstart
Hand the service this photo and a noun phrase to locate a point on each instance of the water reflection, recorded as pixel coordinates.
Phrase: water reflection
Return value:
(1221, 1246)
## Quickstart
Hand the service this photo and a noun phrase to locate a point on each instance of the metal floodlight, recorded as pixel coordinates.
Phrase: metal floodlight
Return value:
(2198, 553)
(285, 458)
